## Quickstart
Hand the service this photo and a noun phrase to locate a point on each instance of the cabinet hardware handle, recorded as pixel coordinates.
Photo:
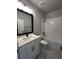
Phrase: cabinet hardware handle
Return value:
(32, 48)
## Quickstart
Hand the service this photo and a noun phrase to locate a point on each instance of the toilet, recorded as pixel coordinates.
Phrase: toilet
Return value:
(43, 42)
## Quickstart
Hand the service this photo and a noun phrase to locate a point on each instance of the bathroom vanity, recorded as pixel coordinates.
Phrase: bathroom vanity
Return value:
(28, 47)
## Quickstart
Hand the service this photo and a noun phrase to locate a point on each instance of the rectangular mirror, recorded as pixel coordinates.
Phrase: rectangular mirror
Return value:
(24, 22)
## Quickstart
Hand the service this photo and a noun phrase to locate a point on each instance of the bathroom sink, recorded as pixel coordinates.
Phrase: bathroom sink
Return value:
(24, 39)
(27, 38)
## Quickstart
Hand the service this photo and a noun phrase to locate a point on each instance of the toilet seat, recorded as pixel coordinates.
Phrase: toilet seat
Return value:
(44, 42)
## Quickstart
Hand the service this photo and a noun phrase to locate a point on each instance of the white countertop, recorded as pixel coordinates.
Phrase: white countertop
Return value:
(22, 40)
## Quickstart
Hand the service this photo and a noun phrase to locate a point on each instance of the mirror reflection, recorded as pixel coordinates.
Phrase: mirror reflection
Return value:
(24, 22)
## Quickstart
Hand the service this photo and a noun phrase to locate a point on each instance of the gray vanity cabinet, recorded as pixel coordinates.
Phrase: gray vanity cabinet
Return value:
(30, 50)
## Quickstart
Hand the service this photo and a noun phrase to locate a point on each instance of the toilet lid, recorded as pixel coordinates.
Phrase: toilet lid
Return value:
(43, 42)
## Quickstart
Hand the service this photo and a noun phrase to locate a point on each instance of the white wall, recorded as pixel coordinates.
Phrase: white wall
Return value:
(54, 14)
(53, 26)
(38, 16)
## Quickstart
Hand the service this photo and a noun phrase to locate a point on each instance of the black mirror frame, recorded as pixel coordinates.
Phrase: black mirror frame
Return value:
(32, 22)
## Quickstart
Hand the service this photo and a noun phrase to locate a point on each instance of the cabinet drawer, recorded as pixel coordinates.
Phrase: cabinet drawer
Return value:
(23, 48)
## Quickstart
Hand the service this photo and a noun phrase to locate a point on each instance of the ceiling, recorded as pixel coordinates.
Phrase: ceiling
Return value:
(47, 5)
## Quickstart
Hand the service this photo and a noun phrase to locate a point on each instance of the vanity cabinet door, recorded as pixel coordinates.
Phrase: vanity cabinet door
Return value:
(24, 52)
(34, 48)
(30, 50)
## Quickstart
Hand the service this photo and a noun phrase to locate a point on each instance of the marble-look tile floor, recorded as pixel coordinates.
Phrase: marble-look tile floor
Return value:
(48, 53)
